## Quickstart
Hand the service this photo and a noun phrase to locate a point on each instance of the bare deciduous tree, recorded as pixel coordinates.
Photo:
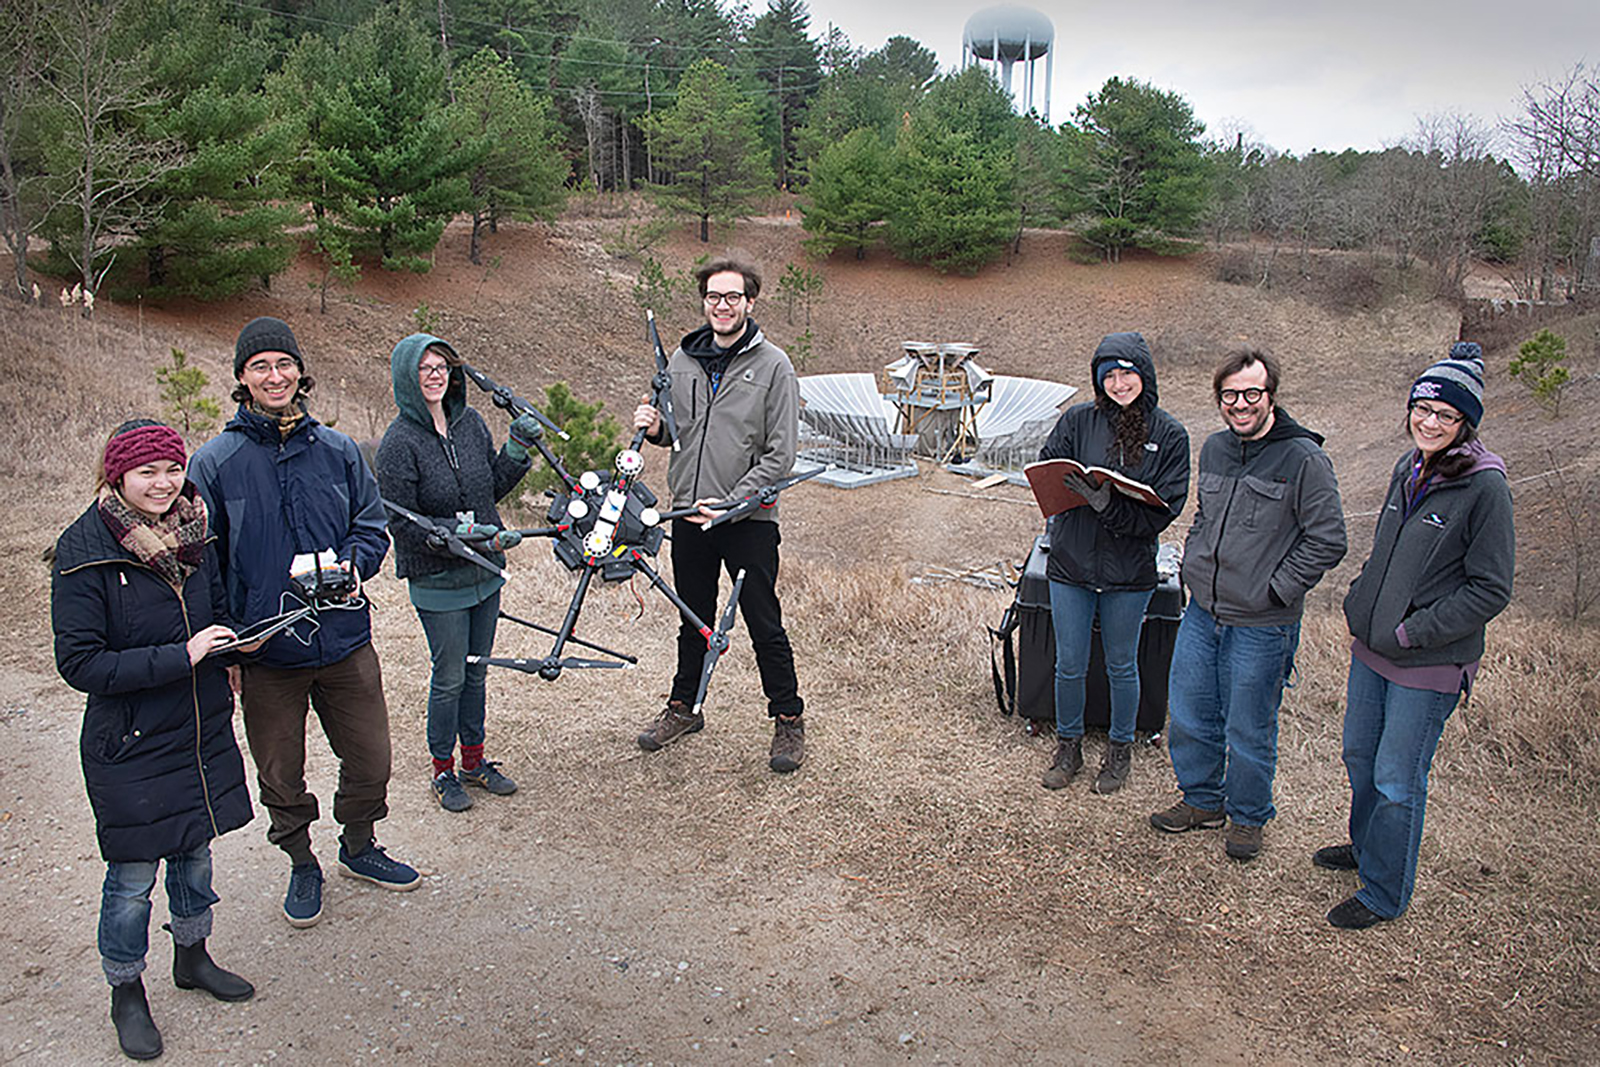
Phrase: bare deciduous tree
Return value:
(103, 162)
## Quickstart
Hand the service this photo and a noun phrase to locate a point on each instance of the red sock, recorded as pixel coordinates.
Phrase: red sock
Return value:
(471, 756)
(444, 766)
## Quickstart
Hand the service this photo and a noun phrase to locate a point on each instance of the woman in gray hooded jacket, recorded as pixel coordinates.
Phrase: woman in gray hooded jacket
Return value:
(437, 458)
(1440, 569)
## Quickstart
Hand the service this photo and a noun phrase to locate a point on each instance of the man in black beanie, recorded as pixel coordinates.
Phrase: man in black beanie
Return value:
(281, 487)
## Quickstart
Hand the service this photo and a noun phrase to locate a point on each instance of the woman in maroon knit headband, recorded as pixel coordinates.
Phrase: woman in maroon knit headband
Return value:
(137, 606)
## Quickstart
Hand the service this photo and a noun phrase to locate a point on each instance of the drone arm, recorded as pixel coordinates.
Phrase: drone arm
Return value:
(454, 544)
(670, 593)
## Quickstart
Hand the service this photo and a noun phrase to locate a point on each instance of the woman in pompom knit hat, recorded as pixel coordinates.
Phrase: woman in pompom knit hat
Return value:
(138, 610)
(1440, 569)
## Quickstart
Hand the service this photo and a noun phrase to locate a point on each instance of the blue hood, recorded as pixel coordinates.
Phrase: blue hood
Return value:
(1130, 348)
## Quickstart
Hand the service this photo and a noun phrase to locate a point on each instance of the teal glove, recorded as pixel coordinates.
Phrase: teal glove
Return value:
(525, 430)
(475, 531)
(505, 539)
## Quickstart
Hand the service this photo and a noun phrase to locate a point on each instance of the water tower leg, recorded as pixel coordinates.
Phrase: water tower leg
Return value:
(1049, 76)
(1027, 57)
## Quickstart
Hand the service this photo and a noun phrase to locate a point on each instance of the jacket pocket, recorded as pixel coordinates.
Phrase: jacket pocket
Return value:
(1266, 502)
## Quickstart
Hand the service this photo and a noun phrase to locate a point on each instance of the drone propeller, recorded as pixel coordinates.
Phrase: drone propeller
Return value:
(505, 398)
(550, 667)
(717, 643)
(661, 383)
(732, 509)
(454, 543)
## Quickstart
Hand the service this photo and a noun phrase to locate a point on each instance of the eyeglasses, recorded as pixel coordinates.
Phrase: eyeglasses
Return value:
(1444, 418)
(433, 370)
(1230, 397)
(731, 299)
(261, 368)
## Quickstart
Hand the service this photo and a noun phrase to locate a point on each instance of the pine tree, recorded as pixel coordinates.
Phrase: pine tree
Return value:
(383, 158)
(847, 194)
(220, 221)
(786, 62)
(953, 191)
(709, 149)
(522, 173)
(1135, 170)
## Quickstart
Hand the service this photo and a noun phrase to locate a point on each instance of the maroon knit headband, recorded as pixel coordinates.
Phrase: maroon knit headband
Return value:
(134, 448)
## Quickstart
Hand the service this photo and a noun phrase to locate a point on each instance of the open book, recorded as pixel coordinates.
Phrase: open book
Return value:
(1045, 479)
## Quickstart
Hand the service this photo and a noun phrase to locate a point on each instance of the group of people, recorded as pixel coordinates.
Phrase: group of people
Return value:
(1268, 526)
(164, 589)
(160, 586)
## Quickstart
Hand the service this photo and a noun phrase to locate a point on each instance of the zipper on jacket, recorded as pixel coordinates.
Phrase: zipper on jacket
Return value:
(199, 750)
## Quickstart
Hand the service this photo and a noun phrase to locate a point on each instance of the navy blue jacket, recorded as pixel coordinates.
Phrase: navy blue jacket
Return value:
(272, 499)
(159, 756)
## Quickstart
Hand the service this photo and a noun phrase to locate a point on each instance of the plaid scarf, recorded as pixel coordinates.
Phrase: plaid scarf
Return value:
(173, 546)
(287, 420)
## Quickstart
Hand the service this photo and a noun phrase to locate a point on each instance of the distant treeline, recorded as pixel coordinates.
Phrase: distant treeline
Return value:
(191, 147)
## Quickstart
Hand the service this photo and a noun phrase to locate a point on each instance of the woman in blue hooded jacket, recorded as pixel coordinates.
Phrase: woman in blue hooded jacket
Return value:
(1103, 552)
(138, 611)
(438, 459)
(1441, 566)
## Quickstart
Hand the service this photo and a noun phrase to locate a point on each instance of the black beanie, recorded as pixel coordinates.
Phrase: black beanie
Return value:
(265, 334)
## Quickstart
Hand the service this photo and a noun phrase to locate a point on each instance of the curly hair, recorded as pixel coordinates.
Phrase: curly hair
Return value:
(1130, 431)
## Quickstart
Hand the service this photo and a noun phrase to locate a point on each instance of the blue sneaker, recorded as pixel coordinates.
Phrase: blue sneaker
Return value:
(375, 866)
(486, 775)
(302, 906)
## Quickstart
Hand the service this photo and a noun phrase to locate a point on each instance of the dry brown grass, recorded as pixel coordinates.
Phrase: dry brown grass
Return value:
(923, 802)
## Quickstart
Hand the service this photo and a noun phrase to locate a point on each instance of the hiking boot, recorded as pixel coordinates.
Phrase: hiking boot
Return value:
(1114, 767)
(448, 792)
(1184, 816)
(486, 775)
(674, 721)
(302, 905)
(1351, 914)
(375, 866)
(788, 743)
(1065, 764)
(130, 1013)
(1335, 858)
(1242, 842)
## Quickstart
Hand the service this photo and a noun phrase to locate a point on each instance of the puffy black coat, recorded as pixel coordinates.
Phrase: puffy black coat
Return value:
(159, 755)
(1116, 548)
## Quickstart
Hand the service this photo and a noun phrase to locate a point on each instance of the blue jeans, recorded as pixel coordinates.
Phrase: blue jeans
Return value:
(1224, 691)
(125, 909)
(1390, 734)
(456, 693)
(1072, 612)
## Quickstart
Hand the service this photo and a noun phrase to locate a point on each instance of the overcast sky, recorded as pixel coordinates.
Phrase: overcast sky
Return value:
(1298, 76)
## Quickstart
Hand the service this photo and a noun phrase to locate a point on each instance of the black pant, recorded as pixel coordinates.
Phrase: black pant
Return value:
(698, 557)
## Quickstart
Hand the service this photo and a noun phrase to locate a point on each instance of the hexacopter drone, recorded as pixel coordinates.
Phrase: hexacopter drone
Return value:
(606, 525)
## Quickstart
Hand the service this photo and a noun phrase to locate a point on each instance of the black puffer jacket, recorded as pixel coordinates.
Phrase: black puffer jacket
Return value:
(1116, 549)
(159, 755)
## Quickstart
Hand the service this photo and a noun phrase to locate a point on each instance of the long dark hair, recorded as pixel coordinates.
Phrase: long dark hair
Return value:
(1130, 430)
(1451, 462)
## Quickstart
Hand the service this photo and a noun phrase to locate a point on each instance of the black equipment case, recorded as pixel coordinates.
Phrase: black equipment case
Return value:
(1028, 684)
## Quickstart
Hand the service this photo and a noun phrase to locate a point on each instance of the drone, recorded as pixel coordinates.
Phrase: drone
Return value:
(603, 525)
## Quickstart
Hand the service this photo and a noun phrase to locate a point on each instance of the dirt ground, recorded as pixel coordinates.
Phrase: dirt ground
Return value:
(910, 895)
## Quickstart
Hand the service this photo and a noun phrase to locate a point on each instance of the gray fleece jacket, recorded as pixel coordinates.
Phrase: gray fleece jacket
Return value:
(1269, 525)
(744, 437)
(1438, 575)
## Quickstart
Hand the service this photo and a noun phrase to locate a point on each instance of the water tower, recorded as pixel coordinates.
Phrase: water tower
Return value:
(1004, 35)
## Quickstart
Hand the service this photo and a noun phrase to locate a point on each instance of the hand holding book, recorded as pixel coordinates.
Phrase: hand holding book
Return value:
(1096, 496)
(1063, 484)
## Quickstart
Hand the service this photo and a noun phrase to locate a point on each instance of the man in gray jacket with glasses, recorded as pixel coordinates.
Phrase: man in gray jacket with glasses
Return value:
(1268, 527)
(736, 403)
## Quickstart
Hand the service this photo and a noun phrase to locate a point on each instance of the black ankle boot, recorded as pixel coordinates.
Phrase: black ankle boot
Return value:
(136, 1031)
(192, 968)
